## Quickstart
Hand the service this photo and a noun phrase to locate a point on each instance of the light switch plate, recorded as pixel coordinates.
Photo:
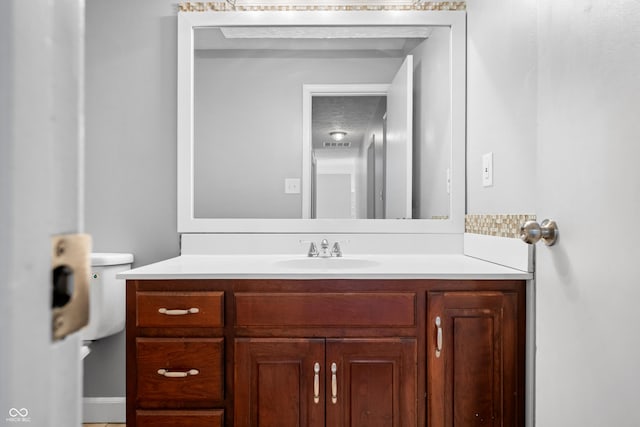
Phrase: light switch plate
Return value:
(487, 170)
(292, 185)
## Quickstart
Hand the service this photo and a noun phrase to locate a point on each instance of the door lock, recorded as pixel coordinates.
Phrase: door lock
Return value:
(70, 272)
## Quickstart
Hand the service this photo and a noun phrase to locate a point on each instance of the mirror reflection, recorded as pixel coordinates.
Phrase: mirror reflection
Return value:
(322, 122)
(348, 143)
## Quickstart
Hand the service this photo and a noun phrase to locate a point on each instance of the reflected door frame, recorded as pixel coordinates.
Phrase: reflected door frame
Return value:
(308, 92)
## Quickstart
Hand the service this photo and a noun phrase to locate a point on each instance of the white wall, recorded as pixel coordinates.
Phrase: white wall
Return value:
(588, 180)
(130, 148)
(248, 128)
(552, 91)
(131, 127)
(501, 104)
(432, 125)
(334, 195)
(331, 173)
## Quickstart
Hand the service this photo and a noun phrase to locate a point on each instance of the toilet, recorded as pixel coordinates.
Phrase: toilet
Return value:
(106, 297)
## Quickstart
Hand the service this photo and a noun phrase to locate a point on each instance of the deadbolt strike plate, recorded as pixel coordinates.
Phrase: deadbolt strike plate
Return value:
(71, 252)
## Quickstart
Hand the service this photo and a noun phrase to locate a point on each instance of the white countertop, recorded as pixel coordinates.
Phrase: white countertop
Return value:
(450, 266)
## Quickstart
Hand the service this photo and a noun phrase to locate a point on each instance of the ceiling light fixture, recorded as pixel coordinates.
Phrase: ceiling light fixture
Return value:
(337, 135)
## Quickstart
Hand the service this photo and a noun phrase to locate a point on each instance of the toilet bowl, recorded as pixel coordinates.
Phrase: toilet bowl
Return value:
(106, 297)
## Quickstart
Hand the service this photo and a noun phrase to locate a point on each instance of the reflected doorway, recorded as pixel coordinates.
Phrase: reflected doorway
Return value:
(359, 142)
(347, 171)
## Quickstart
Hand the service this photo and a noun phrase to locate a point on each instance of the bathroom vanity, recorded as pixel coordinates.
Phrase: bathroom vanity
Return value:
(418, 335)
(406, 341)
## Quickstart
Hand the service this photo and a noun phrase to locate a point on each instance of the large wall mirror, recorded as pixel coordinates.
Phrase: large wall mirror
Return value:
(331, 122)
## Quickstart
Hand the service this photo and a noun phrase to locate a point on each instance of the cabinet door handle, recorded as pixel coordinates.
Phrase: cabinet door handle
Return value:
(334, 383)
(176, 374)
(178, 312)
(438, 336)
(316, 383)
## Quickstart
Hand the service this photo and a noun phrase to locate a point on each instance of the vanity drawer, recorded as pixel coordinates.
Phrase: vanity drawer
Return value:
(180, 372)
(180, 418)
(360, 309)
(180, 309)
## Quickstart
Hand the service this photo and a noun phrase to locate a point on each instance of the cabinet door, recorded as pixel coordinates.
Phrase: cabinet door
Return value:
(374, 383)
(274, 382)
(476, 376)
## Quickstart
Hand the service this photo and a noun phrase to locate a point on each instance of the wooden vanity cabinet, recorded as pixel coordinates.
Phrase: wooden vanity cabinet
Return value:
(264, 352)
(475, 358)
(275, 382)
(176, 350)
(332, 382)
(375, 382)
(359, 370)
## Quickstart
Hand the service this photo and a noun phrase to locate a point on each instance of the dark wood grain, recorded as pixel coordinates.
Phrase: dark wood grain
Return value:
(348, 309)
(131, 369)
(274, 382)
(170, 418)
(478, 378)
(377, 382)
(210, 307)
(203, 354)
(407, 317)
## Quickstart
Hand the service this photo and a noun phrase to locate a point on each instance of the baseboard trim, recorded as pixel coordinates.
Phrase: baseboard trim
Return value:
(104, 410)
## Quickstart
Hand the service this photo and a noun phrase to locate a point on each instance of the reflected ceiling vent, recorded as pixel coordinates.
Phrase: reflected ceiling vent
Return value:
(336, 144)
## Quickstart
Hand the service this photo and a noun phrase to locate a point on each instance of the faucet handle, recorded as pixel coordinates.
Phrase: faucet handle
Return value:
(335, 250)
(313, 250)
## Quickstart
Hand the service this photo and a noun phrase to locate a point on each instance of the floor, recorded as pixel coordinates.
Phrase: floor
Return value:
(103, 425)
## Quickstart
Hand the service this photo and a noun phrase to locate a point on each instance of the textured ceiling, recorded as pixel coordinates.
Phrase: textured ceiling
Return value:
(352, 114)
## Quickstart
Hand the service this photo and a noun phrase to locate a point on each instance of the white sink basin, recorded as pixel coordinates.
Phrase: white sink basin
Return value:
(326, 263)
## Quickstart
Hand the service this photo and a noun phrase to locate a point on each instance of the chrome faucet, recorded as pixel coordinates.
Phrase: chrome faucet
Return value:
(324, 251)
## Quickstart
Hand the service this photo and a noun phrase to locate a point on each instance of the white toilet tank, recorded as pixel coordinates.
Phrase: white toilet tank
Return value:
(107, 295)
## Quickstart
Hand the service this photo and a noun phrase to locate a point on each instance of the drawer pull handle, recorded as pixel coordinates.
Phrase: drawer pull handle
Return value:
(316, 383)
(438, 336)
(334, 383)
(176, 374)
(178, 312)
